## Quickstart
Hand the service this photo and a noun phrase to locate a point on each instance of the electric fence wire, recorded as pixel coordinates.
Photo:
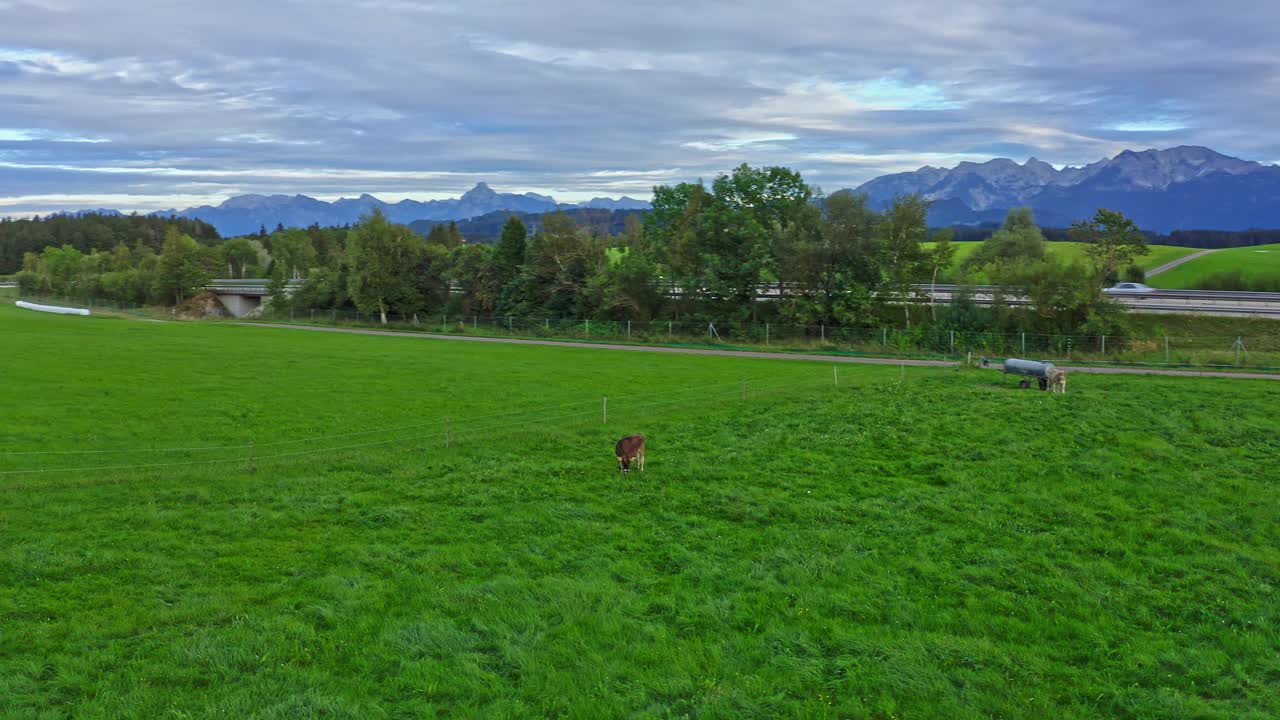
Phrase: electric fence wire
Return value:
(316, 438)
(452, 431)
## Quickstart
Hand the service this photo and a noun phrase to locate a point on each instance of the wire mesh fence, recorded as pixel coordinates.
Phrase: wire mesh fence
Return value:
(1257, 351)
(1221, 350)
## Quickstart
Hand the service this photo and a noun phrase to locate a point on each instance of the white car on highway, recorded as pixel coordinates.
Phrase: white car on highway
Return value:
(1128, 288)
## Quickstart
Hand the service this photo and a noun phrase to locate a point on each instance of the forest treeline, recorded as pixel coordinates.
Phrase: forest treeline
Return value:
(701, 253)
(89, 232)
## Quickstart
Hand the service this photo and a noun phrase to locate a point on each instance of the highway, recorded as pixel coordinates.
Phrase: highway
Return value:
(1193, 302)
(1187, 302)
(250, 287)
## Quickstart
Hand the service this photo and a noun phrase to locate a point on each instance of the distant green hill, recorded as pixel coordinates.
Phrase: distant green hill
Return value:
(1070, 252)
(1244, 268)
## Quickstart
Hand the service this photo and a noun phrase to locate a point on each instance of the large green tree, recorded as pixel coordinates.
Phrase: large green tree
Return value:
(561, 259)
(1018, 241)
(627, 289)
(382, 258)
(941, 257)
(293, 252)
(1113, 241)
(829, 261)
(507, 262)
(180, 272)
(720, 245)
(472, 269)
(63, 266)
(240, 257)
(447, 236)
(432, 275)
(903, 230)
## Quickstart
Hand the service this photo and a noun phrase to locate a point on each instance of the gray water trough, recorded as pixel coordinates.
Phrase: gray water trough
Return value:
(1038, 369)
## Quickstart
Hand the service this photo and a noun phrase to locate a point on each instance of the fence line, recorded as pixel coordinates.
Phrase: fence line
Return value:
(314, 438)
(1261, 351)
(1162, 349)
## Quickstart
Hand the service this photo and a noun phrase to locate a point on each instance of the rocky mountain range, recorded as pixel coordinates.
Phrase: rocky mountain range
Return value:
(245, 214)
(1181, 188)
(1162, 190)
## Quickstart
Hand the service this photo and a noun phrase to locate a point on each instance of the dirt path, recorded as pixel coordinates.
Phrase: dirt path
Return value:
(755, 354)
(1179, 261)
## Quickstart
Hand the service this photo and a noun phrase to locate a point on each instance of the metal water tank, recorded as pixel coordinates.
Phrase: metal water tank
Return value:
(1030, 368)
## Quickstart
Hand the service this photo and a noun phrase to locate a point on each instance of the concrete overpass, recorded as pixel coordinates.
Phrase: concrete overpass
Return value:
(245, 297)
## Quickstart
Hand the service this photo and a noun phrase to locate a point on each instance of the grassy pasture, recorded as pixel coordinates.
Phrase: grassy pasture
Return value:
(1070, 252)
(942, 546)
(1243, 266)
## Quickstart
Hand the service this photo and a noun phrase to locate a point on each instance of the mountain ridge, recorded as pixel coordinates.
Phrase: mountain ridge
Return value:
(1184, 187)
(246, 214)
(1181, 188)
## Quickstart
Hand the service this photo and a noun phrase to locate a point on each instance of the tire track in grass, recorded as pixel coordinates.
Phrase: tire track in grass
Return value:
(1175, 263)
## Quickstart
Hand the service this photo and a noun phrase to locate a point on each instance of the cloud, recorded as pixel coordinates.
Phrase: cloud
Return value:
(407, 98)
(1152, 125)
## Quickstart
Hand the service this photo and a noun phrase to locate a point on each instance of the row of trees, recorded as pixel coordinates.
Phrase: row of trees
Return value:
(89, 233)
(173, 269)
(136, 274)
(702, 253)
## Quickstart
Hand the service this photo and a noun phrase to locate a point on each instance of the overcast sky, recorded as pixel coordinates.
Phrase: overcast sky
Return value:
(146, 105)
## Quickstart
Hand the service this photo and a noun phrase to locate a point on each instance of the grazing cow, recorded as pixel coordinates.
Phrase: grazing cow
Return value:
(1058, 380)
(630, 449)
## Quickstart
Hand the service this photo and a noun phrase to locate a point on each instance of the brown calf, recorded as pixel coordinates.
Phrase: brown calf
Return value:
(630, 449)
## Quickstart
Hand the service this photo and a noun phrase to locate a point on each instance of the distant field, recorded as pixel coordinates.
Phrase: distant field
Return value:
(1242, 268)
(944, 546)
(1072, 252)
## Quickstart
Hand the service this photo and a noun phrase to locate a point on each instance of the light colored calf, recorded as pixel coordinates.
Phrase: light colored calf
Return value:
(1058, 380)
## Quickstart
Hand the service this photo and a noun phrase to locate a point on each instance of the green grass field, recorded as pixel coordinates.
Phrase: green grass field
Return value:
(1242, 267)
(1074, 252)
(908, 544)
